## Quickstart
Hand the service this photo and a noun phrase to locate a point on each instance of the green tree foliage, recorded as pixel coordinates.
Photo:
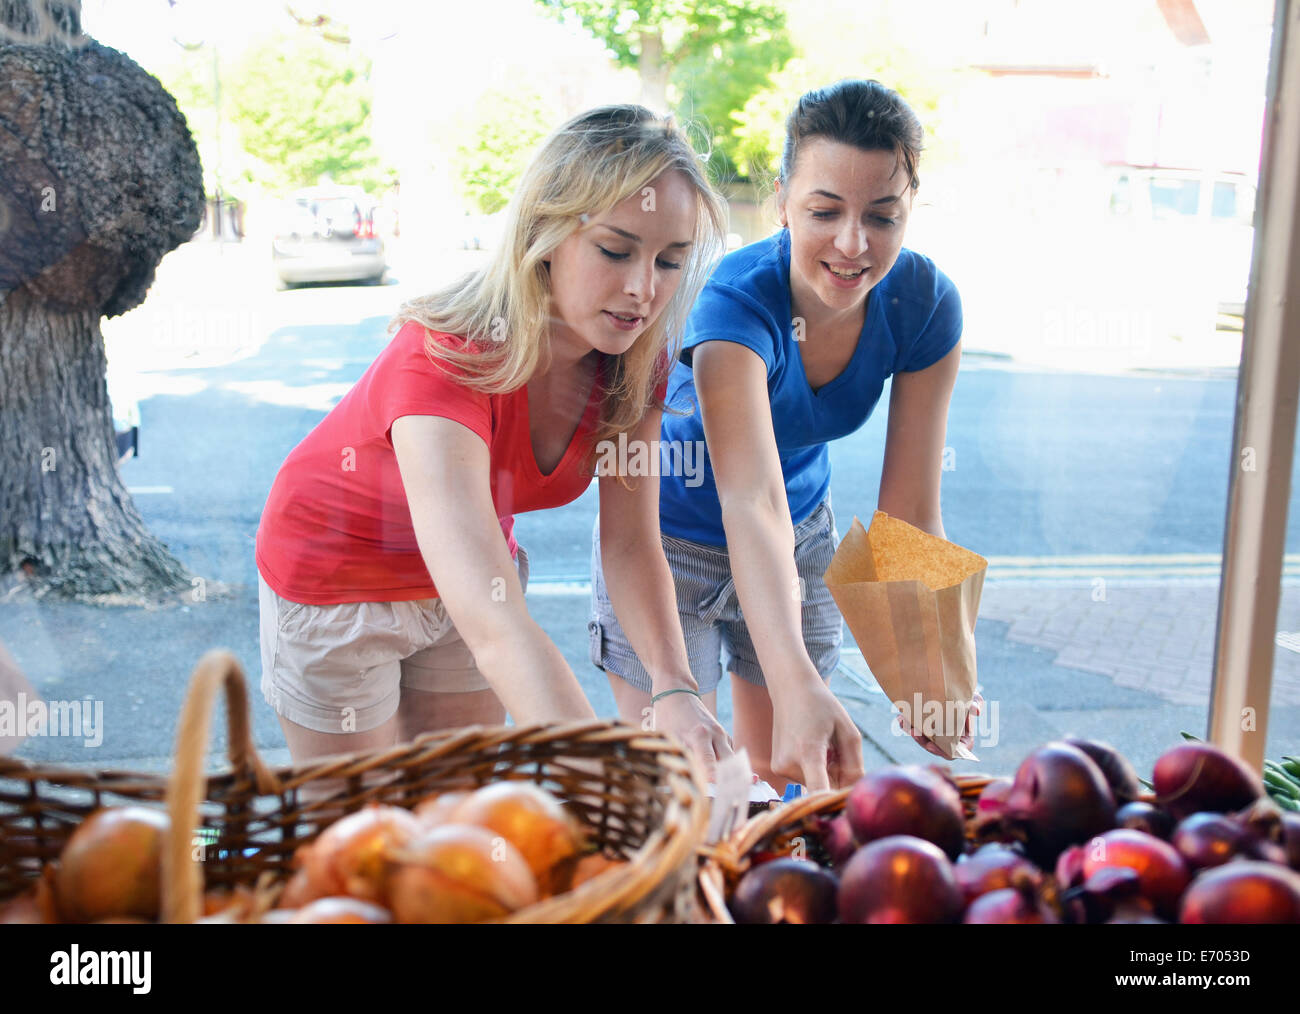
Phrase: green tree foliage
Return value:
(294, 107)
(497, 140)
(701, 58)
(849, 40)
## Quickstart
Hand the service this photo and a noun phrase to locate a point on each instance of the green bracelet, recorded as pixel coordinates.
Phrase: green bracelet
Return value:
(678, 690)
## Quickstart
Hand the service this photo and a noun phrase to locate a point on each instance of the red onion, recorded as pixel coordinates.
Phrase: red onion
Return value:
(1118, 772)
(989, 868)
(909, 800)
(1243, 891)
(1208, 839)
(1162, 873)
(899, 879)
(1197, 777)
(1060, 798)
(1143, 816)
(785, 891)
(1019, 904)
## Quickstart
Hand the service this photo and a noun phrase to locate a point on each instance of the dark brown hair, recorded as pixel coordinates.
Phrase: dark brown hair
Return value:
(864, 114)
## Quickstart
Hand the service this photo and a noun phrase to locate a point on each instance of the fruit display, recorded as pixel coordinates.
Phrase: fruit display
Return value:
(456, 857)
(1073, 837)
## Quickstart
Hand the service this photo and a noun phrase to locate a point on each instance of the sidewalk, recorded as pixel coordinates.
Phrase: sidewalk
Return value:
(1133, 670)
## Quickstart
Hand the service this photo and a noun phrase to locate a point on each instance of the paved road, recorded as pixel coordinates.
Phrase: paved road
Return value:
(1062, 480)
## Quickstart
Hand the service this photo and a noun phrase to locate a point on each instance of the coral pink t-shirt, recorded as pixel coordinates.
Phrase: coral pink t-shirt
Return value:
(337, 527)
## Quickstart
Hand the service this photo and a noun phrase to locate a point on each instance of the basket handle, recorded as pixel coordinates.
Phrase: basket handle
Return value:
(182, 886)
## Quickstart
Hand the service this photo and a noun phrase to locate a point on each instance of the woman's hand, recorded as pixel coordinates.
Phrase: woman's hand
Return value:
(686, 717)
(814, 741)
(967, 738)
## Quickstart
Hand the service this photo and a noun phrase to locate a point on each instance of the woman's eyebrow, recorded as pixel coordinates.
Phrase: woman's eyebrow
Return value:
(637, 239)
(878, 200)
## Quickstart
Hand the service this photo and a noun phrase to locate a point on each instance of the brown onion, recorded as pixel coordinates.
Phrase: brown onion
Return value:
(460, 874)
(339, 910)
(112, 865)
(351, 856)
(533, 821)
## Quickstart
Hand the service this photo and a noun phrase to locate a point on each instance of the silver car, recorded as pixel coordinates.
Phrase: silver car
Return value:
(327, 234)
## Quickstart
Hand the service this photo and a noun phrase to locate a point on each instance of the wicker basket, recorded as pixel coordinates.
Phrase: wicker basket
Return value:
(640, 795)
(776, 830)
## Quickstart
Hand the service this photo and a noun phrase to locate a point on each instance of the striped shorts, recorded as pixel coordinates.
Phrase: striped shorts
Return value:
(716, 635)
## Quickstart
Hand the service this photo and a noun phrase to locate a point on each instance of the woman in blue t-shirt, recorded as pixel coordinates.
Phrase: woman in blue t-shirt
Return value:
(788, 347)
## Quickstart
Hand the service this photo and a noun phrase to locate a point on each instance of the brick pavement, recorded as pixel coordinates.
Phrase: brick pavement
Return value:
(1156, 637)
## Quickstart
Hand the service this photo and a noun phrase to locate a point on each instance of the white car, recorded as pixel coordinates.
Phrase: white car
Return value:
(327, 234)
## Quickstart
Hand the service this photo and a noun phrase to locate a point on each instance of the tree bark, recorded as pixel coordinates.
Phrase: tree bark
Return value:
(99, 178)
(68, 525)
(654, 72)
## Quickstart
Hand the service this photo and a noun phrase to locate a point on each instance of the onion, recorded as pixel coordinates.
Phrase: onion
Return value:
(1162, 873)
(112, 865)
(989, 868)
(1069, 866)
(909, 800)
(339, 910)
(1243, 891)
(1208, 839)
(436, 810)
(1144, 816)
(838, 839)
(1197, 777)
(1118, 772)
(592, 866)
(36, 905)
(1134, 913)
(460, 874)
(1291, 839)
(534, 822)
(899, 879)
(351, 856)
(793, 891)
(988, 824)
(1059, 798)
(1017, 904)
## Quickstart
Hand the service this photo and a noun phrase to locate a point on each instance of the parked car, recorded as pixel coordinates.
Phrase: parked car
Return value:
(327, 234)
(1192, 225)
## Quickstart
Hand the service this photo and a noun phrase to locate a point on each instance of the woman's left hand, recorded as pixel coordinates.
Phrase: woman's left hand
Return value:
(686, 717)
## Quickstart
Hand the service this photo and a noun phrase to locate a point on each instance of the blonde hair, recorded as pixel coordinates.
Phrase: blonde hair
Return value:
(595, 161)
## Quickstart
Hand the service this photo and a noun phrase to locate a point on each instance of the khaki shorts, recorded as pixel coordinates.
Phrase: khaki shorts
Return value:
(341, 668)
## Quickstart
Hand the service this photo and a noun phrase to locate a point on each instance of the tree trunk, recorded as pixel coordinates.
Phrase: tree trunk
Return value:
(99, 178)
(68, 525)
(654, 72)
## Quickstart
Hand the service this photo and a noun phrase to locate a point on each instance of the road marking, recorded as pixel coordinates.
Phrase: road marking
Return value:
(1205, 568)
(136, 490)
(1116, 559)
(1291, 642)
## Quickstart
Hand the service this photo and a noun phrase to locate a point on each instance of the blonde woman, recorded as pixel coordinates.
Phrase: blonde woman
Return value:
(392, 589)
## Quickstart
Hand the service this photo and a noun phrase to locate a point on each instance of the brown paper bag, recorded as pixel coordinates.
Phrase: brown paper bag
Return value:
(910, 599)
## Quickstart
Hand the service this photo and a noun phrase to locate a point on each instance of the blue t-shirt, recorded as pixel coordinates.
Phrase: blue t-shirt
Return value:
(913, 320)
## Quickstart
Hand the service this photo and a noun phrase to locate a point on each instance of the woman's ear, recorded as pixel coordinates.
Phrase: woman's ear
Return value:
(780, 206)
